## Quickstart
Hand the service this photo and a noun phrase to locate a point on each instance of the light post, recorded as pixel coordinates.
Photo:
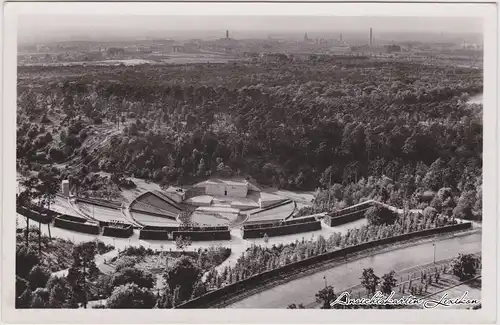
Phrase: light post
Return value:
(324, 277)
(434, 247)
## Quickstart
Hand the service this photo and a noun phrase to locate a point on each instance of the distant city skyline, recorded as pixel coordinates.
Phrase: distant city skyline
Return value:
(51, 27)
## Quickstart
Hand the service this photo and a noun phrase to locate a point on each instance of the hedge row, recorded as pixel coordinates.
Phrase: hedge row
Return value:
(43, 217)
(282, 230)
(198, 228)
(121, 232)
(154, 234)
(278, 223)
(340, 220)
(254, 224)
(87, 228)
(67, 217)
(203, 235)
(300, 220)
(209, 298)
(163, 233)
(161, 228)
(353, 208)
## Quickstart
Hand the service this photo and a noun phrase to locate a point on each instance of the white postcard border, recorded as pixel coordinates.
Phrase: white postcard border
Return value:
(490, 154)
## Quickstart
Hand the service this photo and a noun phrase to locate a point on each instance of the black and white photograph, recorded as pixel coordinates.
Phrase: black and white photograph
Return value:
(252, 161)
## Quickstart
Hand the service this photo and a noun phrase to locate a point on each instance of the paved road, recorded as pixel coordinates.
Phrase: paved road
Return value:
(302, 290)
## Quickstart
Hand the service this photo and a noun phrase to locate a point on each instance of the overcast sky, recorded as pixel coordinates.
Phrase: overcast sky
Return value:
(29, 26)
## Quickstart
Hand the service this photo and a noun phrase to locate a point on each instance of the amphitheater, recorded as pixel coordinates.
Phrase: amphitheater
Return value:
(212, 210)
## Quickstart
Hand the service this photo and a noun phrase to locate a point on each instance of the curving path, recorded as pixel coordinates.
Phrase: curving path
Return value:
(302, 290)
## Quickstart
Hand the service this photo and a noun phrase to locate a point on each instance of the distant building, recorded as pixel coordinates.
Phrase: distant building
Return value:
(360, 48)
(337, 49)
(65, 187)
(115, 52)
(274, 57)
(392, 48)
(250, 54)
(42, 48)
(178, 48)
(227, 188)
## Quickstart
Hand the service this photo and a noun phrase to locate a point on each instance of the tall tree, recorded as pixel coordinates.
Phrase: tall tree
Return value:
(388, 282)
(380, 215)
(130, 296)
(465, 266)
(326, 296)
(26, 198)
(369, 280)
(38, 277)
(82, 270)
(182, 243)
(133, 275)
(184, 274)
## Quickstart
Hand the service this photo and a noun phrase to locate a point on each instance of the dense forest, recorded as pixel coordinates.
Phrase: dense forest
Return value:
(298, 126)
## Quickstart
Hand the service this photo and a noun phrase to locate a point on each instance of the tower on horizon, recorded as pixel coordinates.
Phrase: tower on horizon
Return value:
(305, 37)
(341, 37)
(371, 37)
(227, 34)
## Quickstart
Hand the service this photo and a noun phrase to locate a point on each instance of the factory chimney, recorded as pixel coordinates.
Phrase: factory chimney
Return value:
(227, 34)
(371, 37)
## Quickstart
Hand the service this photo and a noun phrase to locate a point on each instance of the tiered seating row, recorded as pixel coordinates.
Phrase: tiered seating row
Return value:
(101, 213)
(167, 199)
(148, 219)
(152, 210)
(158, 200)
(106, 204)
